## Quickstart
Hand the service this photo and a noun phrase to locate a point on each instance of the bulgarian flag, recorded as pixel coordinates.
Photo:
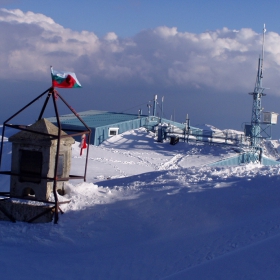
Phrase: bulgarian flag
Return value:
(62, 79)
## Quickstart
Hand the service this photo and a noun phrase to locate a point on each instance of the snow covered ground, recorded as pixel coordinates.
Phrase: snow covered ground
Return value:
(152, 210)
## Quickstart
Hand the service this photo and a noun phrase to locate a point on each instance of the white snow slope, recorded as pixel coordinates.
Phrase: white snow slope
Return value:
(152, 211)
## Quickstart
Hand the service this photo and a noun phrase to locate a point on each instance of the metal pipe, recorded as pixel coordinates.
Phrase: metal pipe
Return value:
(155, 106)
(88, 132)
(56, 160)
(30, 103)
(4, 124)
(44, 106)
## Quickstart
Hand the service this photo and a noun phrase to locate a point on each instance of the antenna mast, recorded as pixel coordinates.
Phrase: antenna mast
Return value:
(257, 95)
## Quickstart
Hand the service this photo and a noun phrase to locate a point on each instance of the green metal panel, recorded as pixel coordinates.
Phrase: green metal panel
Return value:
(242, 159)
(232, 161)
(269, 161)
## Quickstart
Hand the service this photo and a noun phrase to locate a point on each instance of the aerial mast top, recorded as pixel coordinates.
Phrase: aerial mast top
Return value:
(257, 95)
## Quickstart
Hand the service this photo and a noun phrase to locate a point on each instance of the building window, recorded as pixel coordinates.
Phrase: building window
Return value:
(30, 166)
(113, 131)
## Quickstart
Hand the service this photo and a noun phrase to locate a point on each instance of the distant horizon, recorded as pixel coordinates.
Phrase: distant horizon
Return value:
(201, 57)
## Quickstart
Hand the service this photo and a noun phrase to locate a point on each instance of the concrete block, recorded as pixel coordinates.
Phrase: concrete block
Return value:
(24, 211)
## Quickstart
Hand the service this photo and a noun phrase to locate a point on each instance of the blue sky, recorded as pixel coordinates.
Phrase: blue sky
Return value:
(201, 55)
(128, 17)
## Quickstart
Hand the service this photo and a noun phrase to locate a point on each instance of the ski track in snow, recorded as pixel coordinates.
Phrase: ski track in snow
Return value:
(172, 163)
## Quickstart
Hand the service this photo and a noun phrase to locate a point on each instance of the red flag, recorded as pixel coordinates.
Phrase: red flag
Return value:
(83, 144)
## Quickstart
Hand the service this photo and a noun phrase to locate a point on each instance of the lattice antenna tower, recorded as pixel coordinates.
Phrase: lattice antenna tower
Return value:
(257, 96)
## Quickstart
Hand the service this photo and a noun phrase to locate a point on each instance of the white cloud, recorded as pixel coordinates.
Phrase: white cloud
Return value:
(164, 31)
(33, 42)
(111, 36)
(221, 60)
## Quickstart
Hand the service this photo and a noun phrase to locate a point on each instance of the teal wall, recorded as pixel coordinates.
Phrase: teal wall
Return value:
(242, 159)
(102, 133)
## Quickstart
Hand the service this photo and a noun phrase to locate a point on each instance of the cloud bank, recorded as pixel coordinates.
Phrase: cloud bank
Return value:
(223, 60)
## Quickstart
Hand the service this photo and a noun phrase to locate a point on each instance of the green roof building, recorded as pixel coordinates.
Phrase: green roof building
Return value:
(103, 124)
